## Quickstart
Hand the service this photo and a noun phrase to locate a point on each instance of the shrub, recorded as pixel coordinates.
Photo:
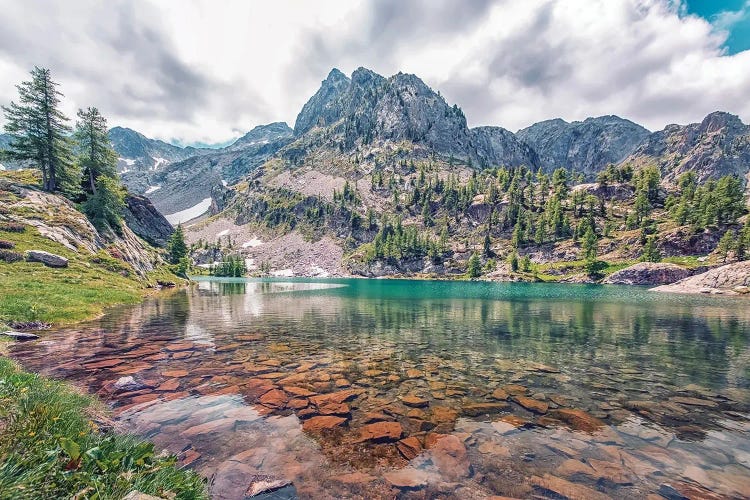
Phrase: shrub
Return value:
(9, 256)
(12, 227)
(7, 244)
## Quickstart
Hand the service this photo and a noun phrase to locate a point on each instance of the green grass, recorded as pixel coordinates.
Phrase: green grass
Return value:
(51, 447)
(30, 291)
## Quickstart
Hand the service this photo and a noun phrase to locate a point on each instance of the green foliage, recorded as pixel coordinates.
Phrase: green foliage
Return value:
(474, 266)
(40, 134)
(651, 252)
(105, 206)
(231, 266)
(176, 247)
(94, 151)
(715, 203)
(590, 251)
(726, 244)
(512, 261)
(614, 174)
(395, 241)
(525, 264)
(52, 449)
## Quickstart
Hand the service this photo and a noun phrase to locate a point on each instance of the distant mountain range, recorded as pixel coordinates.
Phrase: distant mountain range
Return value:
(353, 115)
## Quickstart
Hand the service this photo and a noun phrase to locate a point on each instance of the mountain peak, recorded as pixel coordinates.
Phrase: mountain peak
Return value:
(335, 76)
(363, 76)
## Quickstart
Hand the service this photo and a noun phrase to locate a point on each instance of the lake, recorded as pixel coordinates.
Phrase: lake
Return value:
(427, 389)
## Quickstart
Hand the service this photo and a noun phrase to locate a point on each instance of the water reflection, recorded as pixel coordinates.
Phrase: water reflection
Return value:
(589, 390)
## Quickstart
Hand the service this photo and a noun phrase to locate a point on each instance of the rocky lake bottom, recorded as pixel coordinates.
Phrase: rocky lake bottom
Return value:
(387, 388)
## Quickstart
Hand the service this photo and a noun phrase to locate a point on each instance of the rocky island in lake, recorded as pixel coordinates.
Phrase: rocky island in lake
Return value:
(223, 277)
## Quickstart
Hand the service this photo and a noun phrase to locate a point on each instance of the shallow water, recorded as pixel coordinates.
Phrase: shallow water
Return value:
(383, 388)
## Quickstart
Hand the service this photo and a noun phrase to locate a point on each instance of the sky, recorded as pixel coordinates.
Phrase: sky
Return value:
(207, 71)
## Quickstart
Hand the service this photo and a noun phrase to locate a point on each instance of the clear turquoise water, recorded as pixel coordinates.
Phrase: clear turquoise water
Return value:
(667, 375)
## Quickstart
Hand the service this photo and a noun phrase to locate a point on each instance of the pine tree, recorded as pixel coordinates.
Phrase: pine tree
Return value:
(512, 261)
(95, 154)
(651, 252)
(474, 266)
(725, 244)
(176, 246)
(40, 133)
(590, 250)
(104, 207)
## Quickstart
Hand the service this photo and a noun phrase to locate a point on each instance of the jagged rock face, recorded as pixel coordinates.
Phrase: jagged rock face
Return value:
(648, 273)
(718, 146)
(183, 177)
(70, 228)
(496, 146)
(401, 107)
(184, 184)
(145, 221)
(138, 153)
(262, 134)
(321, 109)
(587, 146)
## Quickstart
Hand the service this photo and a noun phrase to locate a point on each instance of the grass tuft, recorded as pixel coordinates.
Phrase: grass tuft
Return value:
(51, 447)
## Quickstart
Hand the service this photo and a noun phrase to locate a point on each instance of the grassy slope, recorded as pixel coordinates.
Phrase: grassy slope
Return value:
(42, 422)
(51, 447)
(30, 291)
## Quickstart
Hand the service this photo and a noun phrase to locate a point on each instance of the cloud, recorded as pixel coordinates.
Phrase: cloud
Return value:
(204, 71)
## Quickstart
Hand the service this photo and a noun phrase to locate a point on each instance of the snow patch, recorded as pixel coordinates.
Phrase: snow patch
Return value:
(252, 243)
(151, 189)
(2, 167)
(223, 233)
(286, 273)
(159, 162)
(319, 272)
(189, 213)
(224, 183)
(130, 162)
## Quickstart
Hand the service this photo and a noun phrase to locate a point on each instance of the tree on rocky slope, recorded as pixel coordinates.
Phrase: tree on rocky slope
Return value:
(104, 208)
(95, 154)
(176, 246)
(40, 133)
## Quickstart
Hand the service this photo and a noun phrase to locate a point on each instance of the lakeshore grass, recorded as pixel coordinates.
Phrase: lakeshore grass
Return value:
(53, 444)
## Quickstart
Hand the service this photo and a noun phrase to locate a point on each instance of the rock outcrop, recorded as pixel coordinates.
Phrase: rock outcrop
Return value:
(146, 221)
(587, 146)
(648, 273)
(57, 219)
(46, 258)
(717, 146)
(730, 279)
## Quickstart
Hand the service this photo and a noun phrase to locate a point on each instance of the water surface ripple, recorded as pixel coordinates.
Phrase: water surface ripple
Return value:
(420, 389)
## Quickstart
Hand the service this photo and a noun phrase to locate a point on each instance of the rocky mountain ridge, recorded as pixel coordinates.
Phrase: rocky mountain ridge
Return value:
(351, 118)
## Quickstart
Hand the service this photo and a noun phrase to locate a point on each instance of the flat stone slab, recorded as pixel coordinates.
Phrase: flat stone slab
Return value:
(20, 336)
(46, 258)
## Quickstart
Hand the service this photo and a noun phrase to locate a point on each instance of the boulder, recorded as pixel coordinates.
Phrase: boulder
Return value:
(318, 424)
(648, 273)
(721, 280)
(450, 457)
(20, 336)
(146, 221)
(46, 258)
(381, 431)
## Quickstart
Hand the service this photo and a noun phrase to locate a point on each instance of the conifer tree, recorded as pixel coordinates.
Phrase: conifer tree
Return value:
(176, 245)
(95, 154)
(104, 207)
(474, 266)
(651, 252)
(40, 133)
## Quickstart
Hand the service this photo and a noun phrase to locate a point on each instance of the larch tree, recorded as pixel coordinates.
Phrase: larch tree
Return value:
(95, 154)
(40, 133)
